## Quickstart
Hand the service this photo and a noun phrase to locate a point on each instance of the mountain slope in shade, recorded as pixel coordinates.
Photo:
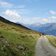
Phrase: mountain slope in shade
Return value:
(11, 23)
(16, 40)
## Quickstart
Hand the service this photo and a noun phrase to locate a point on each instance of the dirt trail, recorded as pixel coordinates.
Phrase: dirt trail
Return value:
(44, 48)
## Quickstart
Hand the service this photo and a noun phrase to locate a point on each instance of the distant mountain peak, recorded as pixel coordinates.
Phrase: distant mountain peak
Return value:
(48, 28)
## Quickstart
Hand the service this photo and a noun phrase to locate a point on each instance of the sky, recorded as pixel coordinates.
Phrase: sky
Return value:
(29, 12)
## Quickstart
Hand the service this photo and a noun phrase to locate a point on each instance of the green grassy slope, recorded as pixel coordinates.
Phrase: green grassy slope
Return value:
(17, 40)
(52, 40)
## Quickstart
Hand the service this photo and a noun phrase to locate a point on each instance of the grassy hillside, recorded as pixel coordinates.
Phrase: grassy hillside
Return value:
(17, 40)
(52, 40)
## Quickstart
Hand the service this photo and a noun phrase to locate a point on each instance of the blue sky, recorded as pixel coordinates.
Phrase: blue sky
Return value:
(29, 11)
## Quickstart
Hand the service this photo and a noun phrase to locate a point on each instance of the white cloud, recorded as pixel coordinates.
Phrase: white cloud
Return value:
(5, 4)
(45, 20)
(29, 20)
(54, 17)
(52, 12)
(35, 20)
(12, 14)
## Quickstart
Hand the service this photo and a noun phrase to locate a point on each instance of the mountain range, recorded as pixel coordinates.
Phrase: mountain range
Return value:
(48, 28)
